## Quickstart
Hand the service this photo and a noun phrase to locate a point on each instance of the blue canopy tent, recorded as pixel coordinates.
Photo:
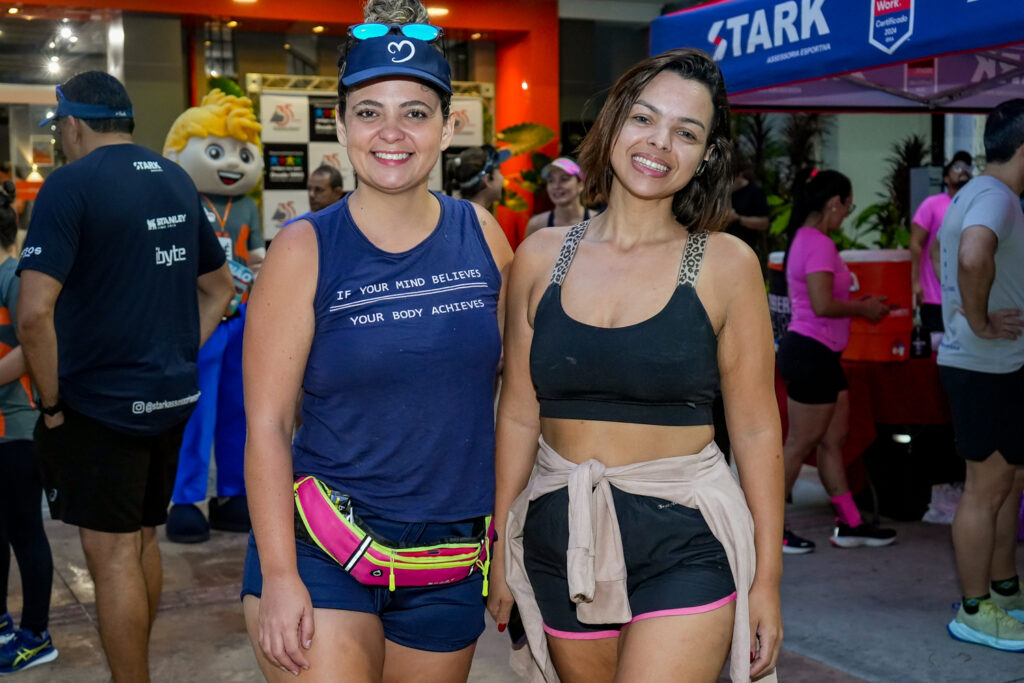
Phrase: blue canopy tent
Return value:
(847, 55)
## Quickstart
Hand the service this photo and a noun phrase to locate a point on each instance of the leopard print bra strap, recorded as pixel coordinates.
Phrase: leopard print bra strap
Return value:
(693, 257)
(572, 240)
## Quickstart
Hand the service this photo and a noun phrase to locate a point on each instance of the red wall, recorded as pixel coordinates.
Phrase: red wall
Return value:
(526, 32)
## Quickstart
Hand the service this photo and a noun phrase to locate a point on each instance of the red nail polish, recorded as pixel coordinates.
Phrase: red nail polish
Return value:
(751, 656)
(501, 628)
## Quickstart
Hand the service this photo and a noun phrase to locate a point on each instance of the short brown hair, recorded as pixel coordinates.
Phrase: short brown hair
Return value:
(705, 201)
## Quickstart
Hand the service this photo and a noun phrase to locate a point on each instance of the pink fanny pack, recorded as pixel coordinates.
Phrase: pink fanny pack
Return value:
(331, 523)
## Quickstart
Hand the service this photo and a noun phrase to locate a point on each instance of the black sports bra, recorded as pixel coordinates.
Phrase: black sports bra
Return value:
(661, 371)
(551, 216)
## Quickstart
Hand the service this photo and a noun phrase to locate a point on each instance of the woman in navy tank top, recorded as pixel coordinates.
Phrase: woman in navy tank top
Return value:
(630, 549)
(383, 311)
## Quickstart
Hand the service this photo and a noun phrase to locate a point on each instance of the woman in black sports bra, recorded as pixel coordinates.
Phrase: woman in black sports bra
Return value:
(564, 184)
(631, 550)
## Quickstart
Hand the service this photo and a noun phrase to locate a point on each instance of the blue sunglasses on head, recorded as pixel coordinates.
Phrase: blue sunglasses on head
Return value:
(425, 32)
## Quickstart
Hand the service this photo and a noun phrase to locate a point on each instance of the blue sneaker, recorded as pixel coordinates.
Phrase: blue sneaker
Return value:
(25, 651)
(6, 627)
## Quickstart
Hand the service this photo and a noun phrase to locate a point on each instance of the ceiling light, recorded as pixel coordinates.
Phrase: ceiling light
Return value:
(35, 176)
(232, 24)
(318, 29)
(246, 2)
(65, 20)
(53, 67)
(65, 32)
(526, 86)
(437, 11)
(52, 45)
(476, 36)
(49, 114)
(12, 10)
(214, 73)
(287, 46)
(207, 43)
(73, 39)
(54, 58)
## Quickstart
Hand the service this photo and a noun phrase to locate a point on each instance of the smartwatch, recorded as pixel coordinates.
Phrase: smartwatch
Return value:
(50, 411)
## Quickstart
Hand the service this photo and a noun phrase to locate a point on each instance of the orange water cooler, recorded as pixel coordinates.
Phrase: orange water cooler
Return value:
(881, 272)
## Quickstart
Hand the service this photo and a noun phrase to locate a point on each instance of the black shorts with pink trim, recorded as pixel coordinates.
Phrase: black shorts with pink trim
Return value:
(674, 564)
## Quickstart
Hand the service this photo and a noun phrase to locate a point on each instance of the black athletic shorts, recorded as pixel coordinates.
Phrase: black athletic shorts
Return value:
(674, 564)
(988, 412)
(101, 479)
(810, 369)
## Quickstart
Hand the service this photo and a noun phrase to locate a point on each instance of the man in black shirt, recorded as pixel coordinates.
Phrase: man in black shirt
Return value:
(748, 218)
(122, 280)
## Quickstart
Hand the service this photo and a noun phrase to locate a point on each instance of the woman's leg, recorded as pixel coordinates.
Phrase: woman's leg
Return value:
(808, 423)
(831, 469)
(26, 534)
(406, 665)
(346, 646)
(689, 648)
(585, 661)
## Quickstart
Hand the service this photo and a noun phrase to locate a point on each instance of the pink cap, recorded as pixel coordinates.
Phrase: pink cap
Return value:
(564, 163)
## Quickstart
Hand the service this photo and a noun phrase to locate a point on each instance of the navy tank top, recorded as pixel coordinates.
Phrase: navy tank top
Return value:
(398, 393)
(661, 371)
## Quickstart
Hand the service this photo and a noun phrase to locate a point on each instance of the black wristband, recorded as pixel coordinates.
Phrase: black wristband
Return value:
(50, 411)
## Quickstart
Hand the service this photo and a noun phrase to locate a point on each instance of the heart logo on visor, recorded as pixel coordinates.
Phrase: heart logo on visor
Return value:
(396, 49)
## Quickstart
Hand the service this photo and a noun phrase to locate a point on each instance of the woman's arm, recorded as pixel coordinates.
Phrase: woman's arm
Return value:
(518, 422)
(746, 362)
(824, 305)
(536, 223)
(918, 236)
(278, 335)
(501, 252)
(12, 366)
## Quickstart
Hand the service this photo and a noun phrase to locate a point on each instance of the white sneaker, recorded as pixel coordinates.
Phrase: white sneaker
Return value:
(1011, 604)
(989, 626)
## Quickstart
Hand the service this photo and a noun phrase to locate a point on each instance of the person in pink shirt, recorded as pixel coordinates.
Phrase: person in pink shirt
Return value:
(923, 229)
(808, 356)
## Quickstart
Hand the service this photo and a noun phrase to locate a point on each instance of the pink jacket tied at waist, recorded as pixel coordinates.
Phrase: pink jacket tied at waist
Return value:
(595, 564)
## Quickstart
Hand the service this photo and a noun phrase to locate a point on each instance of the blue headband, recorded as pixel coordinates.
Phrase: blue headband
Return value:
(494, 159)
(395, 55)
(81, 110)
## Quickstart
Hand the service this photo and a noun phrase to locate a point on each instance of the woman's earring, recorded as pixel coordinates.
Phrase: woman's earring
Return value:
(700, 169)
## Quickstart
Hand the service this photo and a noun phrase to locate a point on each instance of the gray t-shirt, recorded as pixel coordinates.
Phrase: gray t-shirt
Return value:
(17, 413)
(988, 202)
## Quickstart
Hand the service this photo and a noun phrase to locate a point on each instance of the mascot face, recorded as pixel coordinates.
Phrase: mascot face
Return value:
(221, 165)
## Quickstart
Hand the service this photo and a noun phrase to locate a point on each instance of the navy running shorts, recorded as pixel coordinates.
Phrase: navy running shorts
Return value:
(97, 478)
(988, 412)
(674, 564)
(810, 369)
(444, 618)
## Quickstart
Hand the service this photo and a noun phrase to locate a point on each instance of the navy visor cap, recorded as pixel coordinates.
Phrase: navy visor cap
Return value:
(395, 55)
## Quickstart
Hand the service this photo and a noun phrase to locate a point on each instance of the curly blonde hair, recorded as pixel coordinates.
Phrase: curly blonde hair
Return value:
(219, 114)
(395, 12)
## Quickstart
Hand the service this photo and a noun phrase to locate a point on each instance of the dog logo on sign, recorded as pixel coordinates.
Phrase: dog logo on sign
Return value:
(892, 23)
(397, 48)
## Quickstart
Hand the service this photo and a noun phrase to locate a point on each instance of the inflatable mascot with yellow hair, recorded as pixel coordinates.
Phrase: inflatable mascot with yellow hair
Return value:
(218, 144)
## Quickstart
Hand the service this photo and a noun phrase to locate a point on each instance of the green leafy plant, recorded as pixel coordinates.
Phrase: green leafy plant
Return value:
(519, 139)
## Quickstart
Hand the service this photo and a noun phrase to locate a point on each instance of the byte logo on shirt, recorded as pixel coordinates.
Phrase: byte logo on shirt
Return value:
(168, 257)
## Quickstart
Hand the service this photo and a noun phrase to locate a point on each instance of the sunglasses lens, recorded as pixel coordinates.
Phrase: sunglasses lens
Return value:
(424, 32)
(367, 31)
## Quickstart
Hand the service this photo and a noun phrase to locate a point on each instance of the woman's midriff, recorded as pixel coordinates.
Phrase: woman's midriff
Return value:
(621, 443)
